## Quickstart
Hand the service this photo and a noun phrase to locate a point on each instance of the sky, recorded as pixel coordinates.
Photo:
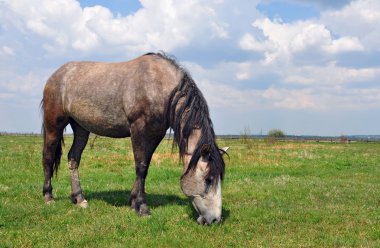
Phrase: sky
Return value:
(307, 67)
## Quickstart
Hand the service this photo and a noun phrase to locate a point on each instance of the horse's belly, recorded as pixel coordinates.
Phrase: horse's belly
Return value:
(110, 122)
(114, 131)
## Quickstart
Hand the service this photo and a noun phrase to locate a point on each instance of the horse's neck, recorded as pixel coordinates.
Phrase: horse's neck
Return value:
(191, 146)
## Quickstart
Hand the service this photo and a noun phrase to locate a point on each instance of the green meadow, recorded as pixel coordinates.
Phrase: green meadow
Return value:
(275, 194)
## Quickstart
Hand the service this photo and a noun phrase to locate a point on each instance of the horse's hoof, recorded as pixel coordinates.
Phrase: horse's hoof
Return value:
(144, 210)
(133, 205)
(83, 204)
(48, 199)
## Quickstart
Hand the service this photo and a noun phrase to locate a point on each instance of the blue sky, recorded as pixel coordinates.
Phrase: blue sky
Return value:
(288, 11)
(122, 7)
(308, 67)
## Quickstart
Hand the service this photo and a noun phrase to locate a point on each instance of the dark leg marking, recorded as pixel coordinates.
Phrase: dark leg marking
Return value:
(51, 155)
(143, 147)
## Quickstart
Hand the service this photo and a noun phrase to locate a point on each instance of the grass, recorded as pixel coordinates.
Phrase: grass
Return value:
(285, 194)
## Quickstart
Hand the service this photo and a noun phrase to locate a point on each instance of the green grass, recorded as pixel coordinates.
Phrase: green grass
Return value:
(285, 194)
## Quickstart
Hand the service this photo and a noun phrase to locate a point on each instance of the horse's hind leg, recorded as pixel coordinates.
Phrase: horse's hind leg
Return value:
(74, 156)
(52, 150)
(51, 145)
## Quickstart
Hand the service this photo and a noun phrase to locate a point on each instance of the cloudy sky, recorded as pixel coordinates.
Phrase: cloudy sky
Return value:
(306, 67)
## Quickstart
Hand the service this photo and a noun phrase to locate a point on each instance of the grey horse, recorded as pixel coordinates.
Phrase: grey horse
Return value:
(141, 99)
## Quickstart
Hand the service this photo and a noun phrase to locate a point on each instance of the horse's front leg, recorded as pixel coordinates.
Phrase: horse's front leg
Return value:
(144, 143)
(80, 140)
(137, 197)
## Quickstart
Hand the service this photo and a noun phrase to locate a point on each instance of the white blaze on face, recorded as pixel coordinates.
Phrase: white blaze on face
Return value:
(209, 206)
(206, 199)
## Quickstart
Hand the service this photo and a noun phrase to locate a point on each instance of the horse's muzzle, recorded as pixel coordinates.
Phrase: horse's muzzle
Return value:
(204, 221)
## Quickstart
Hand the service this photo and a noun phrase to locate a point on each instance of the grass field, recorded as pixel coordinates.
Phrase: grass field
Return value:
(285, 194)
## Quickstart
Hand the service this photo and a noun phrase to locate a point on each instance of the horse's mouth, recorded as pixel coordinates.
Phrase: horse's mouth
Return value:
(201, 220)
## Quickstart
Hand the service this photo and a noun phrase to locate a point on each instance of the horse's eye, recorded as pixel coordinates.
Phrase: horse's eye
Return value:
(208, 181)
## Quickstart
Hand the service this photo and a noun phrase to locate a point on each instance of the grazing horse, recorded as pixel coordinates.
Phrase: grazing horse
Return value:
(140, 99)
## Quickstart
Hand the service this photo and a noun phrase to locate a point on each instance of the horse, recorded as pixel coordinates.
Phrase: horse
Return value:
(141, 98)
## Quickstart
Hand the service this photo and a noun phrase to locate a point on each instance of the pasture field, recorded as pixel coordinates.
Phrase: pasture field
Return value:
(283, 194)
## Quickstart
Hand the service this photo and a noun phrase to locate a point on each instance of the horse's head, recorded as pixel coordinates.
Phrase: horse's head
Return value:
(204, 188)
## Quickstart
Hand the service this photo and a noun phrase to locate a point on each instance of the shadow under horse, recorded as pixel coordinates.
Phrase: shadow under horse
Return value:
(118, 198)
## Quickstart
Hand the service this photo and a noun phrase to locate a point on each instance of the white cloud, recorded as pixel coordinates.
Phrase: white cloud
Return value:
(304, 56)
(358, 19)
(316, 88)
(249, 42)
(58, 23)
(283, 41)
(6, 50)
(311, 99)
(290, 99)
(319, 99)
(345, 44)
(158, 25)
(30, 83)
(244, 71)
(330, 74)
(224, 96)
(37, 34)
(6, 96)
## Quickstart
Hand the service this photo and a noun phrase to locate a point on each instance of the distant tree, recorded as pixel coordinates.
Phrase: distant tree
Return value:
(276, 133)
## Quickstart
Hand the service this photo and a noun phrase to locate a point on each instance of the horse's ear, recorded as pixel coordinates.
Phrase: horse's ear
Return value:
(206, 150)
(224, 150)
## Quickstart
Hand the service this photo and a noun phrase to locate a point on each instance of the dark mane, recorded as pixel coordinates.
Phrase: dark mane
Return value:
(187, 110)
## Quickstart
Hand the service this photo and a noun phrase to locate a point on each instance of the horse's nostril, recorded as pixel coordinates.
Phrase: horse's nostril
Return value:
(216, 221)
(201, 220)
(212, 221)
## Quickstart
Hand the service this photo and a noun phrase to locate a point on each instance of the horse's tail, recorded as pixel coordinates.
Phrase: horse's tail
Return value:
(58, 150)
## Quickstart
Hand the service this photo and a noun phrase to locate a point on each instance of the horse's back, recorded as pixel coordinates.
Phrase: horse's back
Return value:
(105, 98)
